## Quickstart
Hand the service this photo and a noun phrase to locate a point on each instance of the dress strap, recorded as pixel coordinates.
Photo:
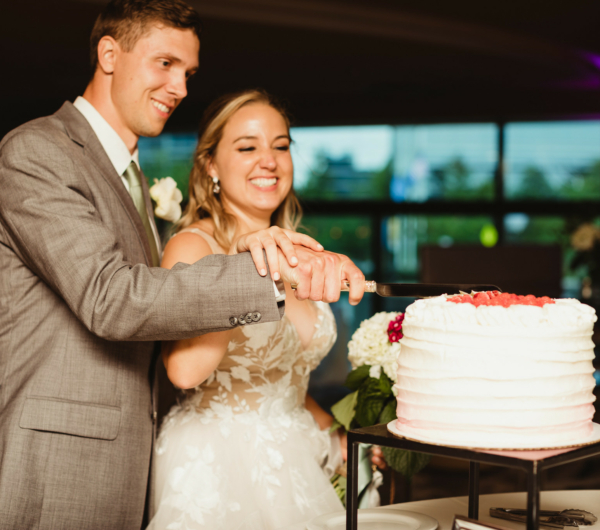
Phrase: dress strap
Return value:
(212, 243)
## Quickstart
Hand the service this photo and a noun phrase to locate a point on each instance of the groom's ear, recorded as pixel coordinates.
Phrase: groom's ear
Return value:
(107, 51)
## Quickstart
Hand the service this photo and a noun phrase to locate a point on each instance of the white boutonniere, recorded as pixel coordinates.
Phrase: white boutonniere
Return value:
(168, 199)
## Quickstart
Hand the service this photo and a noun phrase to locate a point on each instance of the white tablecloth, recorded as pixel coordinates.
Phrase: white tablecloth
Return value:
(444, 510)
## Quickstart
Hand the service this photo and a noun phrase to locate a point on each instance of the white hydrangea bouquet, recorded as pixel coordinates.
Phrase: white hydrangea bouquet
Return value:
(376, 344)
(373, 353)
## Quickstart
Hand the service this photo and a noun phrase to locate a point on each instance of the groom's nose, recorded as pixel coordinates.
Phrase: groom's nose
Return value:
(177, 85)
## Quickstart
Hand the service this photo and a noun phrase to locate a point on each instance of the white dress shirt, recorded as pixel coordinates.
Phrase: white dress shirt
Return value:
(113, 145)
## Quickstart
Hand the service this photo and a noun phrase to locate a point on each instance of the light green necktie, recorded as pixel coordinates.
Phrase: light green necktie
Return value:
(132, 175)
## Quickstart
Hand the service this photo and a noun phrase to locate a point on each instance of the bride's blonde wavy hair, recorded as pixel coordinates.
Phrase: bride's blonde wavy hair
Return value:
(203, 202)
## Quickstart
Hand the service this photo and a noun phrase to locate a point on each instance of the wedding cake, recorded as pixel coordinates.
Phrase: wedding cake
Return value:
(496, 370)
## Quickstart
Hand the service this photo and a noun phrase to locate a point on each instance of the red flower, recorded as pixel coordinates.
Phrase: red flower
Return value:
(395, 328)
(395, 337)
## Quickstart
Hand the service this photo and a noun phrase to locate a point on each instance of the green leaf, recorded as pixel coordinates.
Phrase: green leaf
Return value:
(385, 385)
(405, 462)
(357, 376)
(339, 485)
(389, 411)
(372, 396)
(367, 411)
(343, 410)
(335, 426)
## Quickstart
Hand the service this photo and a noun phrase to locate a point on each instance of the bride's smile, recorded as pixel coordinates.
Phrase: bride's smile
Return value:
(265, 183)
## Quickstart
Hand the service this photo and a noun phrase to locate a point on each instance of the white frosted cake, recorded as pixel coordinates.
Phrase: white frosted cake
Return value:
(496, 370)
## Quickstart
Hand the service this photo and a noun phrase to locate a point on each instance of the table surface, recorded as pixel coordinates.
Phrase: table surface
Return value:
(444, 510)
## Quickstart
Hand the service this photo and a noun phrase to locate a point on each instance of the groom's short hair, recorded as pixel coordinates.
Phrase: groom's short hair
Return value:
(126, 21)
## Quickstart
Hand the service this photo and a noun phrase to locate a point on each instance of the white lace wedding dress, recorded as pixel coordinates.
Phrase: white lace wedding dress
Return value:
(241, 452)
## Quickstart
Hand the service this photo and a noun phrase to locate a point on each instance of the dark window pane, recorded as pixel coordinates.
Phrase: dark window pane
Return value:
(404, 234)
(542, 230)
(553, 160)
(521, 228)
(349, 235)
(334, 163)
(450, 162)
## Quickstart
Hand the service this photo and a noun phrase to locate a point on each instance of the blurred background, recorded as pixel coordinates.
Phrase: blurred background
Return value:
(433, 141)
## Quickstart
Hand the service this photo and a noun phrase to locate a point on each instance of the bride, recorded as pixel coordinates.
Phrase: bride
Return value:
(247, 448)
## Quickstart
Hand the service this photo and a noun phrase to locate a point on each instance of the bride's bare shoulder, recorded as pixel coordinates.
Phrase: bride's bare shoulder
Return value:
(202, 225)
(187, 246)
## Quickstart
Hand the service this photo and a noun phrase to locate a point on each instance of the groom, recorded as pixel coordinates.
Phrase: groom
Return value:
(80, 300)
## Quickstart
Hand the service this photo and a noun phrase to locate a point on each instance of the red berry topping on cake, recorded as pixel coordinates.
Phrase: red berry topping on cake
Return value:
(496, 298)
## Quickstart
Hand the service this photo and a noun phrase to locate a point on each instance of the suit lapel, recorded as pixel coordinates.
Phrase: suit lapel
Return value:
(80, 131)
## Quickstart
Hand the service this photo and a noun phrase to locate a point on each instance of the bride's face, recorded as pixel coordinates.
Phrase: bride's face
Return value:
(253, 161)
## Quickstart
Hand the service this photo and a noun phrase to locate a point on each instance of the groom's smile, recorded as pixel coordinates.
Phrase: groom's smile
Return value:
(165, 110)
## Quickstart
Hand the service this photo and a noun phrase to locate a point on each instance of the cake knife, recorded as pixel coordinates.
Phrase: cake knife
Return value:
(420, 290)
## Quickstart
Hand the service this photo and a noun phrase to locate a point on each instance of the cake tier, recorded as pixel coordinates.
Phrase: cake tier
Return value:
(496, 375)
(499, 438)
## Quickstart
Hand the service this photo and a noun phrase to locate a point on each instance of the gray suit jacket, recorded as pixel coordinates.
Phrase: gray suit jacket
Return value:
(79, 311)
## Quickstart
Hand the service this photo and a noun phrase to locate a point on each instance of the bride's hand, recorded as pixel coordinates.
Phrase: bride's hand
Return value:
(377, 457)
(270, 240)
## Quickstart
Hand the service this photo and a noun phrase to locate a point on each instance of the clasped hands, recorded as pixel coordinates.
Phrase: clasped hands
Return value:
(301, 261)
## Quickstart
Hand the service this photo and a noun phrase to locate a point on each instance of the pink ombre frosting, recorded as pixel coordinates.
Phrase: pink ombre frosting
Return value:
(504, 377)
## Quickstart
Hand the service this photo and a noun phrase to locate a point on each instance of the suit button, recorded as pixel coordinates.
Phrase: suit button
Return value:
(248, 317)
(154, 415)
(233, 321)
(241, 320)
(256, 316)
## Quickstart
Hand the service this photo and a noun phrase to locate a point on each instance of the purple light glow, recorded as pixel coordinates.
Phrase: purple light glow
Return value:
(589, 83)
(593, 59)
(590, 80)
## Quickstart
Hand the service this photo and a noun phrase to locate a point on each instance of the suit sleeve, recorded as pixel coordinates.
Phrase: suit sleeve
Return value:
(51, 223)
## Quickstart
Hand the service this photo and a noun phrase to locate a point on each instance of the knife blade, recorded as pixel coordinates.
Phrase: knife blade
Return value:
(420, 290)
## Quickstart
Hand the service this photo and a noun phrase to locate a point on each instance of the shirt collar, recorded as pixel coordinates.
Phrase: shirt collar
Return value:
(112, 143)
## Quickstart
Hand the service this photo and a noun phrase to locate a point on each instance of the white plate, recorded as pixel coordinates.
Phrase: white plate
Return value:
(375, 519)
(588, 440)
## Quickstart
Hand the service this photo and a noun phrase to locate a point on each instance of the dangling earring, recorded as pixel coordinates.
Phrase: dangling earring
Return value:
(216, 187)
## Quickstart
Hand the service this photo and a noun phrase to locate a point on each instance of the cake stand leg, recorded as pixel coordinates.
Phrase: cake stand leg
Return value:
(474, 490)
(352, 485)
(533, 498)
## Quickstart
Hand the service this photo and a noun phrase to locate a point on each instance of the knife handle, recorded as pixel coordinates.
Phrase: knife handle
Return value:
(370, 286)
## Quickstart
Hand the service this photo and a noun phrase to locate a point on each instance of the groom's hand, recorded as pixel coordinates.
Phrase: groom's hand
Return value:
(319, 275)
(273, 241)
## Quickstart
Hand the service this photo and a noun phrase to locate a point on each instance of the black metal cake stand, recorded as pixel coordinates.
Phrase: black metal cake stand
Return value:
(379, 435)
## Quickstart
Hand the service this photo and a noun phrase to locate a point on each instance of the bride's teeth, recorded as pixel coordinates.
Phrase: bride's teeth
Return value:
(160, 106)
(264, 183)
